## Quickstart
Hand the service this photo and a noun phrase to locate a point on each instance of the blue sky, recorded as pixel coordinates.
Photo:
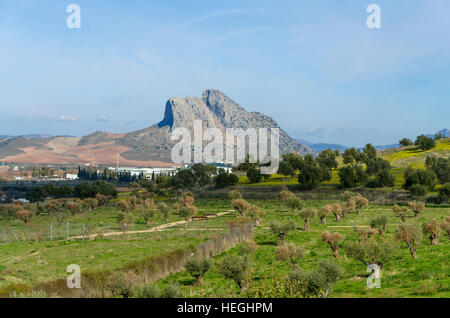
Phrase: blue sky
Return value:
(314, 66)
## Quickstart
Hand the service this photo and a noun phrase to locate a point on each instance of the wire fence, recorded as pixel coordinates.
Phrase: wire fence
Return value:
(56, 231)
(81, 231)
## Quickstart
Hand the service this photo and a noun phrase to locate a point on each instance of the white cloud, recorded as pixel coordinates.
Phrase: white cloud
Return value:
(67, 119)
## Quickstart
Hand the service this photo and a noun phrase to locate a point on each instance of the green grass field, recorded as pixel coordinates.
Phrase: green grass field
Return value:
(32, 262)
(402, 276)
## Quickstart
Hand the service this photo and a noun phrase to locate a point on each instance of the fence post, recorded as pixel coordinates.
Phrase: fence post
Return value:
(67, 232)
(51, 231)
(83, 231)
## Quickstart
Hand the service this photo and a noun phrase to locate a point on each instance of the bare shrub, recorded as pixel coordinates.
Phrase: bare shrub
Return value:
(411, 236)
(333, 240)
(290, 253)
(432, 230)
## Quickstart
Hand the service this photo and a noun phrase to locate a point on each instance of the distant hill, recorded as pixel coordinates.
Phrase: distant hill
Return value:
(147, 147)
(323, 146)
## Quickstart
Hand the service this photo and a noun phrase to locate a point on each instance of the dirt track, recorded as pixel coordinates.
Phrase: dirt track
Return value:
(158, 228)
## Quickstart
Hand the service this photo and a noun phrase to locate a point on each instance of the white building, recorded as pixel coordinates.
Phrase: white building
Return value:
(71, 176)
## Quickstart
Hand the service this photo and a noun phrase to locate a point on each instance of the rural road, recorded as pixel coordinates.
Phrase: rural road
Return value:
(153, 229)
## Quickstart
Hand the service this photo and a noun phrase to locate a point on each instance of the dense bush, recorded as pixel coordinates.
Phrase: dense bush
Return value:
(90, 190)
(235, 268)
(147, 291)
(198, 268)
(352, 176)
(317, 283)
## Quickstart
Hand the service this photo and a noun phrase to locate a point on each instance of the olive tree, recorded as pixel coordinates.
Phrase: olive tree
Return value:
(198, 268)
(400, 211)
(285, 194)
(360, 202)
(235, 194)
(411, 236)
(148, 212)
(379, 223)
(164, 209)
(124, 206)
(24, 215)
(255, 213)
(290, 253)
(337, 211)
(432, 230)
(294, 203)
(240, 205)
(416, 207)
(324, 212)
(282, 229)
(333, 240)
(369, 251)
(307, 215)
(317, 283)
(235, 268)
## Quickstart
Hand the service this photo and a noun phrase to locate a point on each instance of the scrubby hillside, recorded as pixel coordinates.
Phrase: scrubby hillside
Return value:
(401, 158)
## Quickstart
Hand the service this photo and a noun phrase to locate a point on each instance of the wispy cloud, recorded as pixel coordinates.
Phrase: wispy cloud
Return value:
(67, 119)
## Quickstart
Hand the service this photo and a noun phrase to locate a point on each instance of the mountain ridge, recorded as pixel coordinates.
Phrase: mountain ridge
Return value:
(149, 146)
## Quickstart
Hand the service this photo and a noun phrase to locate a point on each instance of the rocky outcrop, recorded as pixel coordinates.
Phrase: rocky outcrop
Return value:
(214, 109)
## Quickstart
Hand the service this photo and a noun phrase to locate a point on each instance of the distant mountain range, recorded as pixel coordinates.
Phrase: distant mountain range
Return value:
(318, 147)
(147, 147)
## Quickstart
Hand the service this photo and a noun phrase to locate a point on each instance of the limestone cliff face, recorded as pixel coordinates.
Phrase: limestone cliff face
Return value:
(214, 109)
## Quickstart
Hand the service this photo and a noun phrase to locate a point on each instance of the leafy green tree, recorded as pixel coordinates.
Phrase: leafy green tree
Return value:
(235, 268)
(224, 179)
(294, 160)
(440, 166)
(312, 175)
(36, 195)
(379, 223)
(183, 180)
(352, 156)
(369, 152)
(295, 203)
(444, 192)
(203, 173)
(307, 215)
(286, 169)
(198, 268)
(424, 177)
(405, 142)
(425, 143)
(282, 229)
(254, 175)
(327, 159)
(376, 165)
(369, 251)
(352, 176)
(418, 190)
(317, 283)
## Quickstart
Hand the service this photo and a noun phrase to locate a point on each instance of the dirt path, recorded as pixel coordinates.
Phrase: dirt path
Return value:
(158, 228)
